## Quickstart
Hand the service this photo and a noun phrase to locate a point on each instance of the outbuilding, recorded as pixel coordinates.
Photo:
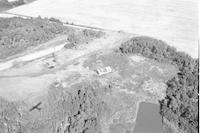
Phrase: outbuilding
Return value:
(104, 70)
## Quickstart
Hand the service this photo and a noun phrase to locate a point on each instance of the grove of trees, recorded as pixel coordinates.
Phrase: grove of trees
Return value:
(17, 34)
(180, 105)
(85, 111)
(5, 4)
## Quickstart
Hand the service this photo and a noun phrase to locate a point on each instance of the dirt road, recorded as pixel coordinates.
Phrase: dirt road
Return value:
(31, 56)
(35, 71)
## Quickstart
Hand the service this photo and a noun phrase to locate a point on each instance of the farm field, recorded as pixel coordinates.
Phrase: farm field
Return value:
(175, 22)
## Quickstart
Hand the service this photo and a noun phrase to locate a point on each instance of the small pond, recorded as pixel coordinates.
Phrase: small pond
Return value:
(148, 119)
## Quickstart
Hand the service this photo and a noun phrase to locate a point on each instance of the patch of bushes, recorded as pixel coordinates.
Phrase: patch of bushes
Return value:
(55, 20)
(180, 105)
(84, 36)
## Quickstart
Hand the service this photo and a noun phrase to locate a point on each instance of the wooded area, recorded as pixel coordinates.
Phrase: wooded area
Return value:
(17, 34)
(180, 105)
(5, 4)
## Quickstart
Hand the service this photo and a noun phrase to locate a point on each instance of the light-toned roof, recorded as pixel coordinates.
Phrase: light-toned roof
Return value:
(104, 70)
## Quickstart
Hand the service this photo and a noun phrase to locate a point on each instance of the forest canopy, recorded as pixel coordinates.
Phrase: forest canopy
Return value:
(180, 105)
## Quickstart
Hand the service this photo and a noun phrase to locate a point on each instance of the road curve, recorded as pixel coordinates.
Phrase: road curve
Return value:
(8, 64)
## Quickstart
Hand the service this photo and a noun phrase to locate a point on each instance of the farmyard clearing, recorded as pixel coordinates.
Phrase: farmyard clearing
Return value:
(133, 79)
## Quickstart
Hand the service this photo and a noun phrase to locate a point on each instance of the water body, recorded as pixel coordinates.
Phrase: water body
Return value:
(148, 119)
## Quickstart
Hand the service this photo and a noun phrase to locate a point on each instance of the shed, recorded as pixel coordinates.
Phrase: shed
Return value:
(104, 70)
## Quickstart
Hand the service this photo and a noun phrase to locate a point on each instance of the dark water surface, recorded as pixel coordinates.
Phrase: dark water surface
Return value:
(148, 119)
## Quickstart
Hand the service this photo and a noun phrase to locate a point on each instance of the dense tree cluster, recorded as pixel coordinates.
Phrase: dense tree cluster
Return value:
(17, 34)
(5, 4)
(180, 105)
(148, 47)
(85, 111)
